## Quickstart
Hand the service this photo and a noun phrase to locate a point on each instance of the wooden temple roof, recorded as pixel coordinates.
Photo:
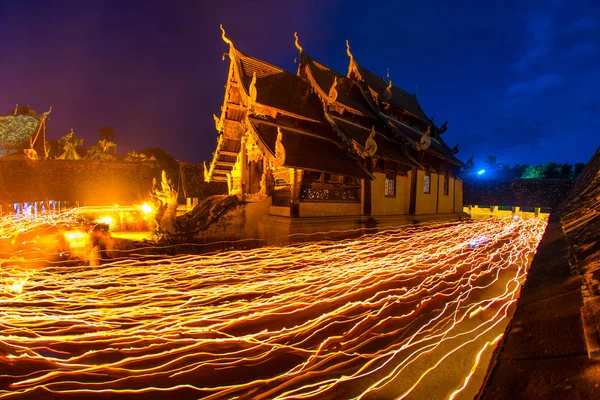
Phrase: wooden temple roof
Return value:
(386, 148)
(349, 93)
(437, 145)
(278, 88)
(400, 98)
(319, 112)
(307, 151)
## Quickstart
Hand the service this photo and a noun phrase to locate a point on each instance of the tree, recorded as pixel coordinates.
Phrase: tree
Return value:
(69, 143)
(166, 161)
(535, 172)
(578, 169)
(107, 133)
(491, 163)
(102, 151)
(23, 109)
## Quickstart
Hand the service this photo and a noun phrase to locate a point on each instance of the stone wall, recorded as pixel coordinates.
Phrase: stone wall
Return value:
(522, 192)
(85, 181)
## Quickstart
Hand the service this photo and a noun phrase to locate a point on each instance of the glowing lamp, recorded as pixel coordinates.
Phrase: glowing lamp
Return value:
(105, 220)
(76, 239)
(146, 208)
(481, 172)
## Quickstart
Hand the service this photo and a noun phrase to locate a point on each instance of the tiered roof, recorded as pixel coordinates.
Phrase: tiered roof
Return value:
(399, 97)
(322, 115)
(278, 88)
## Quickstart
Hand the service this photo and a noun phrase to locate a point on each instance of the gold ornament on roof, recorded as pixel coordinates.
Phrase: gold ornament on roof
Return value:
(225, 38)
(370, 147)
(333, 94)
(252, 91)
(425, 141)
(371, 144)
(387, 93)
(348, 52)
(296, 43)
(206, 172)
(279, 150)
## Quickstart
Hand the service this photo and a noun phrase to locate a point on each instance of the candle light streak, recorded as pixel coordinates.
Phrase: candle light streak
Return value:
(373, 317)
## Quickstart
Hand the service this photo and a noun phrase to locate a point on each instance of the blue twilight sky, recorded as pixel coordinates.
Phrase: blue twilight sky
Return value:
(516, 79)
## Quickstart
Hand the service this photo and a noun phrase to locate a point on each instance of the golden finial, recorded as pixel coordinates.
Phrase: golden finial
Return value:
(296, 43)
(225, 38)
(348, 51)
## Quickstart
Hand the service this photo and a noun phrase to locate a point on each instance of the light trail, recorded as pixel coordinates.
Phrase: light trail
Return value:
(381, 316)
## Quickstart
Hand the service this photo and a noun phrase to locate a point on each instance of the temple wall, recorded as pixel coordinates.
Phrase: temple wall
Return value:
(426, 202)
(314, 209)
(446, 202)
(384, 205)
(458, 196)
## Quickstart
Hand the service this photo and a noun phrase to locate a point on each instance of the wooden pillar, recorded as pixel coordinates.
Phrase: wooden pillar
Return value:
(537, 212)
(367, 206)
(437, 196)
(454, 196)
(295, 186)
(412, 208)
(244, 179)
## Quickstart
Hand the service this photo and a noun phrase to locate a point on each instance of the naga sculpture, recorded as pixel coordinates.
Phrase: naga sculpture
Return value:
(209, 218)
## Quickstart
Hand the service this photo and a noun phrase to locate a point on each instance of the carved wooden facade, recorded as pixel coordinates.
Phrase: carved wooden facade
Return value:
(321, 137)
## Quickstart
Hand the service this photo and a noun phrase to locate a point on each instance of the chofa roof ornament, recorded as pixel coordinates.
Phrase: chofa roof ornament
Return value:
(297, 43)
(348, 52)
(226, 40)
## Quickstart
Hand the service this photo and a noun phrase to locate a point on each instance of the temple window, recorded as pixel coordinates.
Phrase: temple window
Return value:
(446, 185)
(390, 185)
(427, 183)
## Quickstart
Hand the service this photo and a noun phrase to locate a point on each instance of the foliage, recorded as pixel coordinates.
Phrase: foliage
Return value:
(104, 150)
(166, 161)
(70, 139)
(499, 171)
(134, 156)
(23, 109)
(578, 169)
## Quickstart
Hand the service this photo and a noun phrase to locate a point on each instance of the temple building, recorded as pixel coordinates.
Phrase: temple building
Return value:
(319, 144)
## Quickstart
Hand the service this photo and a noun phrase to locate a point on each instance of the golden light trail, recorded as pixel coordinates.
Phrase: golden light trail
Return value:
(373, 317)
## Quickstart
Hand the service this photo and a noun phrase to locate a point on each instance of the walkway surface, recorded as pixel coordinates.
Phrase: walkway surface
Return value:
(545, 354)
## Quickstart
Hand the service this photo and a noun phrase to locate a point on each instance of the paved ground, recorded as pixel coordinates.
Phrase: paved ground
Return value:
(544, 354)
(413, 312)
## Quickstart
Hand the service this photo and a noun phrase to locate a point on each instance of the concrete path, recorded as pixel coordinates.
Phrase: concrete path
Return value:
(544, 353)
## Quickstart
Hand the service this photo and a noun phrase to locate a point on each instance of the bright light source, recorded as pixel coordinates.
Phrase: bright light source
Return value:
(105, 220)
(76, 239)
(481, 172)
(146, 208)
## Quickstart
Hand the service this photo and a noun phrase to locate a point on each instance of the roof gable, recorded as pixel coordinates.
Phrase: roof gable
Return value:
(278, 88)
(399, 98)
